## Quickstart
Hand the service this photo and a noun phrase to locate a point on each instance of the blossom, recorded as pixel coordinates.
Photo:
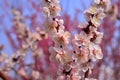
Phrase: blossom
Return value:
(62, 57)
(46, 11)
(104, 3)
(97, 11)
(58, 55)
(95, 52)
(54, 10)
(3, 57)
(68, 74)
(8, 65)
(51, 8)
(97, 19)
(54, 26)
(22, 72)
(51, 26)
(32, 40)
(61, 38)
(81, 54)
(92, 10)
(95, 14)
(81, 39)
(97, 37)
(17, 15)
(35, 75)
(22, 30)
(75, 75)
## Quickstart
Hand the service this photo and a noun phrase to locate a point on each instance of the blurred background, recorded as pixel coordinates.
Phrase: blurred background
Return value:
(72, 12)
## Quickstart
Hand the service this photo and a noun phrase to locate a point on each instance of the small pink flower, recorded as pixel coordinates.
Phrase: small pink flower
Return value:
(82, 55)
(46, 11)
(96, 20)
(95, 52)
(22, 72)
(16, 12)
(54, 10)
(58, 55)
(81, 39)
(51, 7)
(61, 38)
(92, 10)
(3, 56)
(36, 75)
(54, 26)
(62, 57)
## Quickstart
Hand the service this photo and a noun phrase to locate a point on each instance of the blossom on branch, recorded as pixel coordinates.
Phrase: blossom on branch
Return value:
(85, 45)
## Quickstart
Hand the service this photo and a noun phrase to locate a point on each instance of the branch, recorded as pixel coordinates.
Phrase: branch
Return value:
(3, 76)
(86, 74)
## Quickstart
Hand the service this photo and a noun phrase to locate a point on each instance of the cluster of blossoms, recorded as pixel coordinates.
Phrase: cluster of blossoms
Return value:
(75, 55)
(29, 43)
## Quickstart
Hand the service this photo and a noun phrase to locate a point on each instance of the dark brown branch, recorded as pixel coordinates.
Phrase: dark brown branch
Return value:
(3, 76)
(86, 74)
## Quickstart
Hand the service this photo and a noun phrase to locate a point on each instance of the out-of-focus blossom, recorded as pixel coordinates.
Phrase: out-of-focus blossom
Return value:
(22, 72)
(90, 79)
(36, 75)
(51, 8)
(3, 57)
(38, 52)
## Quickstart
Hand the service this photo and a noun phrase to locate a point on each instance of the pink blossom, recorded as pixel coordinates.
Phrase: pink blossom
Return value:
(36, 75)
(22, 72)
(3, 57)
(95, 52)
